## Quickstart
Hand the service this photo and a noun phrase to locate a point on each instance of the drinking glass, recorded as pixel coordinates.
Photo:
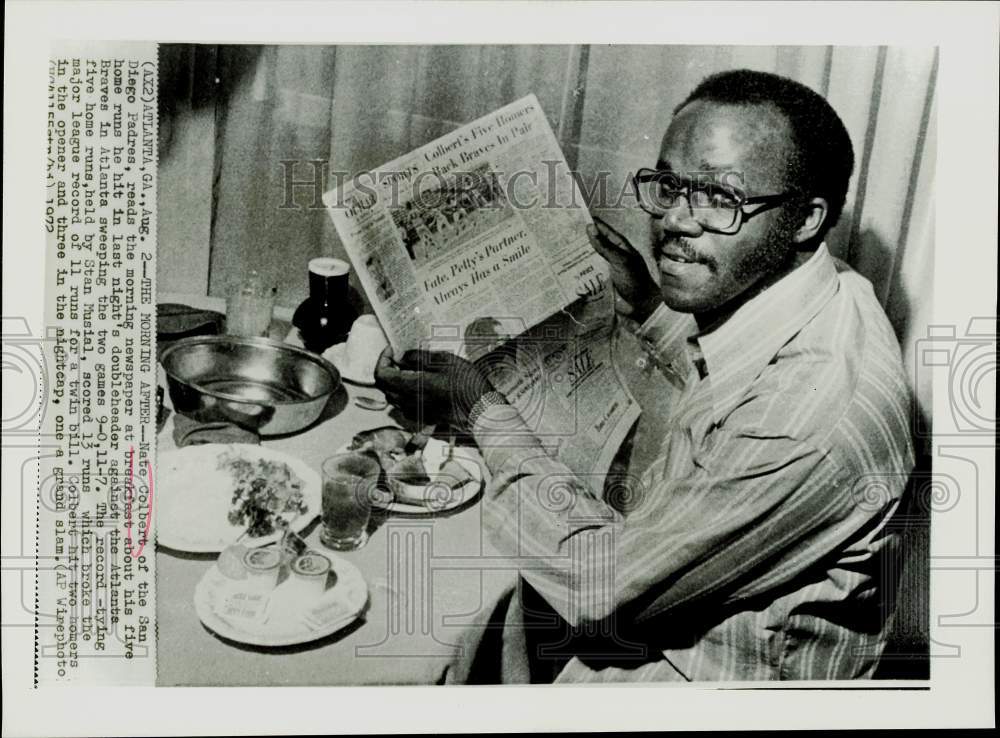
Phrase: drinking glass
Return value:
(349, 482)
(249, 307)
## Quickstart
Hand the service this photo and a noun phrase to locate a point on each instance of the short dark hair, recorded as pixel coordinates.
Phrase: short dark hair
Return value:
(824, 156)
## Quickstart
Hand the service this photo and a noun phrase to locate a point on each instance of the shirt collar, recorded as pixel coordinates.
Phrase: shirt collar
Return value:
(736, 352)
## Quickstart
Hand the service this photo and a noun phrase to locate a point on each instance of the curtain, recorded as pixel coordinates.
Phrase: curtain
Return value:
(240, 123)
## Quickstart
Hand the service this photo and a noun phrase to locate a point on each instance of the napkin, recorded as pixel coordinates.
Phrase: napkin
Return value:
(174, 321)
(191, 432)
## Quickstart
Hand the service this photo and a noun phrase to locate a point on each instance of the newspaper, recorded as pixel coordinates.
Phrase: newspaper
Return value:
(477, 238)
(480, 230)
(568, 389)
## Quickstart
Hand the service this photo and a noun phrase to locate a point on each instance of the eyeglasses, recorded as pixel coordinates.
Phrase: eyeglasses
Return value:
(716, 209)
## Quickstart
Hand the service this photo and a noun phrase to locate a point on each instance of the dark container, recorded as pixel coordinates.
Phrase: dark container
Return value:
(325, 317)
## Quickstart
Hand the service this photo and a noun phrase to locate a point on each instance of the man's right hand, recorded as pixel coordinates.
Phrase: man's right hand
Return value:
(638, 293)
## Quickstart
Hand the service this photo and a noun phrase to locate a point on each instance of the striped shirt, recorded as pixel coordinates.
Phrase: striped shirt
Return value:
(756, 546)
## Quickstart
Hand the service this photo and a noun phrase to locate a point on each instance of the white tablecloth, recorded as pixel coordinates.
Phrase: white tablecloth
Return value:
(427, 578)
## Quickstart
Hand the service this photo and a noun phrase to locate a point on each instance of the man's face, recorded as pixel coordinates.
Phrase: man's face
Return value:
(745, 146)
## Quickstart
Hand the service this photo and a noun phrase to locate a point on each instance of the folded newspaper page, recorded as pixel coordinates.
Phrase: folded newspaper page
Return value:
(477, 238)
(562, 378)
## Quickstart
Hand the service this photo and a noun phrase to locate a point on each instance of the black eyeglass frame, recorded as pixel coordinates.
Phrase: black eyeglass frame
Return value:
(740, 216)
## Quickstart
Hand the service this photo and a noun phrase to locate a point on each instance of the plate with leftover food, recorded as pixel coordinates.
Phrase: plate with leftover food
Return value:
(273, 597)
(212, 495)
(420, 475)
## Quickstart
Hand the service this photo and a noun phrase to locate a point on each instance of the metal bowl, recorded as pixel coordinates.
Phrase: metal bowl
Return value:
(263, 385)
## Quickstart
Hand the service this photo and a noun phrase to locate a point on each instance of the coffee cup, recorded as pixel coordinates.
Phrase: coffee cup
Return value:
(356, 358)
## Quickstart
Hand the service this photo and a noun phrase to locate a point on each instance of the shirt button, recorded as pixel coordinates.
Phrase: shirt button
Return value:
(641, 362)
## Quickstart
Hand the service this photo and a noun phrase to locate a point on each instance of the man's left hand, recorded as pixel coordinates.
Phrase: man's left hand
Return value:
(432, 386)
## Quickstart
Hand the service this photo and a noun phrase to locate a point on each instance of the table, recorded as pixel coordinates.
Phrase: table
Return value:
(427, 579)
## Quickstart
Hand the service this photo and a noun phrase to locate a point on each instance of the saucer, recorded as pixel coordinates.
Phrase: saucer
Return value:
(337, 354)
(432, 499)
(286, 619)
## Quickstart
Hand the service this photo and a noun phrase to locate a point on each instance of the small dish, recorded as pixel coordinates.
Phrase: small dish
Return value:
(285, 615)
(438, 496)
(338, 356)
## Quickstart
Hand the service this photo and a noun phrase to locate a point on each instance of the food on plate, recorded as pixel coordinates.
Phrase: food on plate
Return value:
(453, 471)
(265, 490)
(388, 446)
(230, 561)
(263, 566)
(408, 470)
(386, 442)
(406, 464)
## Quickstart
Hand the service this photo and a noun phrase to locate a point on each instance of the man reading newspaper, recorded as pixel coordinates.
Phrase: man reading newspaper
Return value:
(754, 548)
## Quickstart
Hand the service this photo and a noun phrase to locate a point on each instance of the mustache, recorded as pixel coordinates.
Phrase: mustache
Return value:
(686, 250)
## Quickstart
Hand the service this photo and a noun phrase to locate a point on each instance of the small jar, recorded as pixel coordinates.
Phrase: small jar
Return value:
(263, 566)
(310, 572)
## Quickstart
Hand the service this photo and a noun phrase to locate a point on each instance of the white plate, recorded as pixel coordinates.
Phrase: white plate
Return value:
(437, 501)
(436, 498)
(193, 497)
(284, 625)
(338, 357)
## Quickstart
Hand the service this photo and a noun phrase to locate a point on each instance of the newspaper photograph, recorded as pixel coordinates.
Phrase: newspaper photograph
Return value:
(552, 369)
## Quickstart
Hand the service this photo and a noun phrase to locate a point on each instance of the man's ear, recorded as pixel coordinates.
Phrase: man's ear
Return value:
(815, 211)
